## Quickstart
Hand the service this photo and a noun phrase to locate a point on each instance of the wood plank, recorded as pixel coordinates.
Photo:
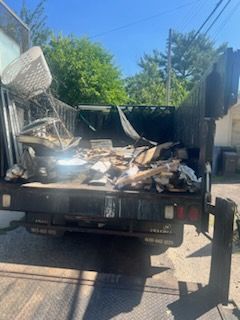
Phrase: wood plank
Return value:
(142, 175)
(152, 153)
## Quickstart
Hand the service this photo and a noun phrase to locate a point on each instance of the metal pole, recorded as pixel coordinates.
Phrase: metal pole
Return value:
(169, 68)
(6, 130)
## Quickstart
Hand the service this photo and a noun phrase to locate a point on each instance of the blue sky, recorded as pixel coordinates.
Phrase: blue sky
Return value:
(97, 18)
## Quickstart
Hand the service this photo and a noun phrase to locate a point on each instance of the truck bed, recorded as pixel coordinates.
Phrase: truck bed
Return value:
(75, 185)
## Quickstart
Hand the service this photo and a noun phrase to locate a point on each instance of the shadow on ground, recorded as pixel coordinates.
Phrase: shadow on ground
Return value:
(106, 254)
(123, 287)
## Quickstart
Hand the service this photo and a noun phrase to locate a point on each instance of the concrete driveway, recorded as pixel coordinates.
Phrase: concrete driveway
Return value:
(31, 257)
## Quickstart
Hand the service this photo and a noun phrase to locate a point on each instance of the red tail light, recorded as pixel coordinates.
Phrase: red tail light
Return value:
(180, 213)
(193, 214)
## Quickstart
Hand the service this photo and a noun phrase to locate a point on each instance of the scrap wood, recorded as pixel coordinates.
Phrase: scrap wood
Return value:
(97, 155)
(99, 181)
(172, 189)
(125, 153)
(101, 144)
(159, 189)
(152, 153)
(162, 180)
(101, 166)
(142, 175)
(164, 174)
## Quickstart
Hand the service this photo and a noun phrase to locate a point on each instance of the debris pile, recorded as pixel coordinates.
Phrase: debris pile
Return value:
(123, 168)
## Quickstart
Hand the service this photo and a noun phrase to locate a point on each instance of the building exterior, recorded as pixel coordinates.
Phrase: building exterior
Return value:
(14, 39)
(228, 128)
(14, 36)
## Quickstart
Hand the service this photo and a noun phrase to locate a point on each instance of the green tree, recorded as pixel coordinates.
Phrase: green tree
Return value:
(149, 85)
(36, 21)
(146, 87)
(84, 72)
(190, 59)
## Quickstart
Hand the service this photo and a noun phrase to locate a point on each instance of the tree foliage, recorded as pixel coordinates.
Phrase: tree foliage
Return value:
(36, 21)
(147, 86)
(144, 89)
(190, 59)
(84, 72)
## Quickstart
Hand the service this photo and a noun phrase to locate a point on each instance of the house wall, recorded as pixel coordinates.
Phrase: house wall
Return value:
(223, 131)
(10, 50)
(228, 128)
(14, 36)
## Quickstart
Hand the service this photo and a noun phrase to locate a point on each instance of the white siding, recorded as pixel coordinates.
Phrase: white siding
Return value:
(223, 131)
(9, 50)
(228, 128)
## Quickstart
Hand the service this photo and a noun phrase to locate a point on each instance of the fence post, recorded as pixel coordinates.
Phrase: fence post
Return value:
(220, 270)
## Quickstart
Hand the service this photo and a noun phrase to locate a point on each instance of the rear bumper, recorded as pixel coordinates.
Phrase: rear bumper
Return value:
(142, 206)
(166, 234)
(130, 213)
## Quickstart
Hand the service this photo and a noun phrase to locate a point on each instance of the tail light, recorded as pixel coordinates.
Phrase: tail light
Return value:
(169, 212)
(193, 214)
(180, 213)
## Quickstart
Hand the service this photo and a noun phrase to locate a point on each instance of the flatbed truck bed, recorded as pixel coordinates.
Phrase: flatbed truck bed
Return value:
(70, 206)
